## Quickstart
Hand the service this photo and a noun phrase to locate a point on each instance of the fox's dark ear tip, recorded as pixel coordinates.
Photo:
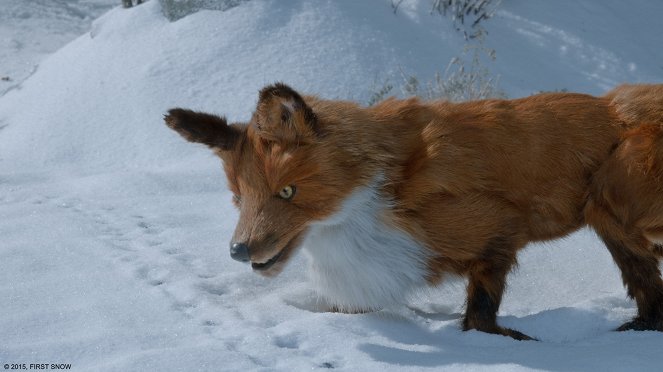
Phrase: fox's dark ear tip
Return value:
(171, 118)
(171, 113)
(278, 89)
(176, 112)
(200, 127)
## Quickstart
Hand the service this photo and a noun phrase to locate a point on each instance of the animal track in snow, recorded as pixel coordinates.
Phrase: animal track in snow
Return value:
(213, 289)
(289, 341)
(142, 247)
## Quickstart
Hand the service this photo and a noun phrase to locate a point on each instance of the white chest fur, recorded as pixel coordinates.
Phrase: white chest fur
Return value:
(360, 263)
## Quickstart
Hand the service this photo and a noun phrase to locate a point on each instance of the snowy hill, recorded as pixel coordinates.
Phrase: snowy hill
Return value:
(576, 45)
(33, 29)
(114, 231)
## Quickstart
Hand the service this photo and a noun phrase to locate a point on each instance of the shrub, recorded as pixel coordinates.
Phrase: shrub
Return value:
(466, 15)
(465, 77)
(460, 81)
(176, 9)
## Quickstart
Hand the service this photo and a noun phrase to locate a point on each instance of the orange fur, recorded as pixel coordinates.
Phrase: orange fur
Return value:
(472, 182)
(638, 103)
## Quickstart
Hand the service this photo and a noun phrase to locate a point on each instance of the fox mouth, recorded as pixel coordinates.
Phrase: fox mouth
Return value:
(276, 263)
(266, 265)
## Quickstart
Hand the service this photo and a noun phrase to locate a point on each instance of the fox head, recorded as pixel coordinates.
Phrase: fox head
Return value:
(282, 173)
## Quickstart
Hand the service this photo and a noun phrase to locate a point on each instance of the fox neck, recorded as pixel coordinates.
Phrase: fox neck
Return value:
(359, 261)
(379, 140)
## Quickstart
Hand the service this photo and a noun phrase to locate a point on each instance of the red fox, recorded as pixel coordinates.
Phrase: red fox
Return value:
(394, 197)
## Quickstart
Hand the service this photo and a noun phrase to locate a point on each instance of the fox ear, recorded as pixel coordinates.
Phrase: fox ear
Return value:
(207, 129)
(283, 115)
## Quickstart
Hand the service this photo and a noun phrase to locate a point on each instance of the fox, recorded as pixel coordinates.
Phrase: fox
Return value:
(388, 199)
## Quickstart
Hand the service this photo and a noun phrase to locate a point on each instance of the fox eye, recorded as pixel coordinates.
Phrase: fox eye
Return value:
(287, 192)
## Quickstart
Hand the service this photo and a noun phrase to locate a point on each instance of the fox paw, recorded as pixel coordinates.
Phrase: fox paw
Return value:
(508, 332)
(640, 324)
(516, 335)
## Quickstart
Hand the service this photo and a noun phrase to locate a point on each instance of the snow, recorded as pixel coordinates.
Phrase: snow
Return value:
(32, 29)
(114, 230)
(576, 45)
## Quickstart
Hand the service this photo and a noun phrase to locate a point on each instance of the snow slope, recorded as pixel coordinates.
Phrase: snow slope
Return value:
(576, 45)
(32, 29)
(114, 231)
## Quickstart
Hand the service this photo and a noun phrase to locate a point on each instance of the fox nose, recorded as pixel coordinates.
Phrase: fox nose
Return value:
(239, 252)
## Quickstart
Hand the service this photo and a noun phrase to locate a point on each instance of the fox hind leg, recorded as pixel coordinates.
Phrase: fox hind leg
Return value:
(638, 260)
(642, 278)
